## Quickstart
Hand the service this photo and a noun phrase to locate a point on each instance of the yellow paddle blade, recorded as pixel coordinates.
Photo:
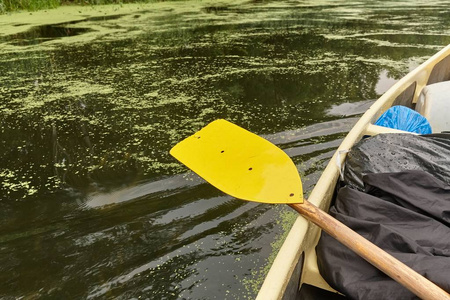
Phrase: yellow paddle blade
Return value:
(241, 164)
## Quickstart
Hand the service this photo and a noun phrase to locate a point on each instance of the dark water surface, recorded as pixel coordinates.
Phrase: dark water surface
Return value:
(92, 205)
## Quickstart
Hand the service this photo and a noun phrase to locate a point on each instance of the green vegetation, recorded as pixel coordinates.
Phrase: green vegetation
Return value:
(13, 5)
(253, 282)
(33, 5)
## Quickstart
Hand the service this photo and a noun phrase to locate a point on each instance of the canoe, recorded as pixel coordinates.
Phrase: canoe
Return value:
(296, 261)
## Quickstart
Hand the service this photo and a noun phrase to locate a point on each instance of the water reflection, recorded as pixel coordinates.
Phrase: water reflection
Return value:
(93, 206)
(44, 33)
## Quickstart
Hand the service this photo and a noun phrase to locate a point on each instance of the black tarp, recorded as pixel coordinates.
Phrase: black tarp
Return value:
(406, 213)
(398, 152)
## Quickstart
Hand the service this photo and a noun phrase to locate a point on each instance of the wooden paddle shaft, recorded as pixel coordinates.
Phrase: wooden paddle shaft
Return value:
(385, 262)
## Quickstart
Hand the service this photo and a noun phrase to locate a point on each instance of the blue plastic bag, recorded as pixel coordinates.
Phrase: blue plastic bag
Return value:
(404, 118)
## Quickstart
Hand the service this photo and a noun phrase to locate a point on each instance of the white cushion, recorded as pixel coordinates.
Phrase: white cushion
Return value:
(434, 104)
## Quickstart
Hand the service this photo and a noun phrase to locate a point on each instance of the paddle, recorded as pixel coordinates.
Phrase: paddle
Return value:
(249, 167)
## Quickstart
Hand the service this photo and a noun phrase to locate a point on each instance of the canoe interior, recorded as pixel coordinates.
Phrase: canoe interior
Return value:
(295, 264)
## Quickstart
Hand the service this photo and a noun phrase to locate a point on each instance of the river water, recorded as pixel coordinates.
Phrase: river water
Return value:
(92, 99)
